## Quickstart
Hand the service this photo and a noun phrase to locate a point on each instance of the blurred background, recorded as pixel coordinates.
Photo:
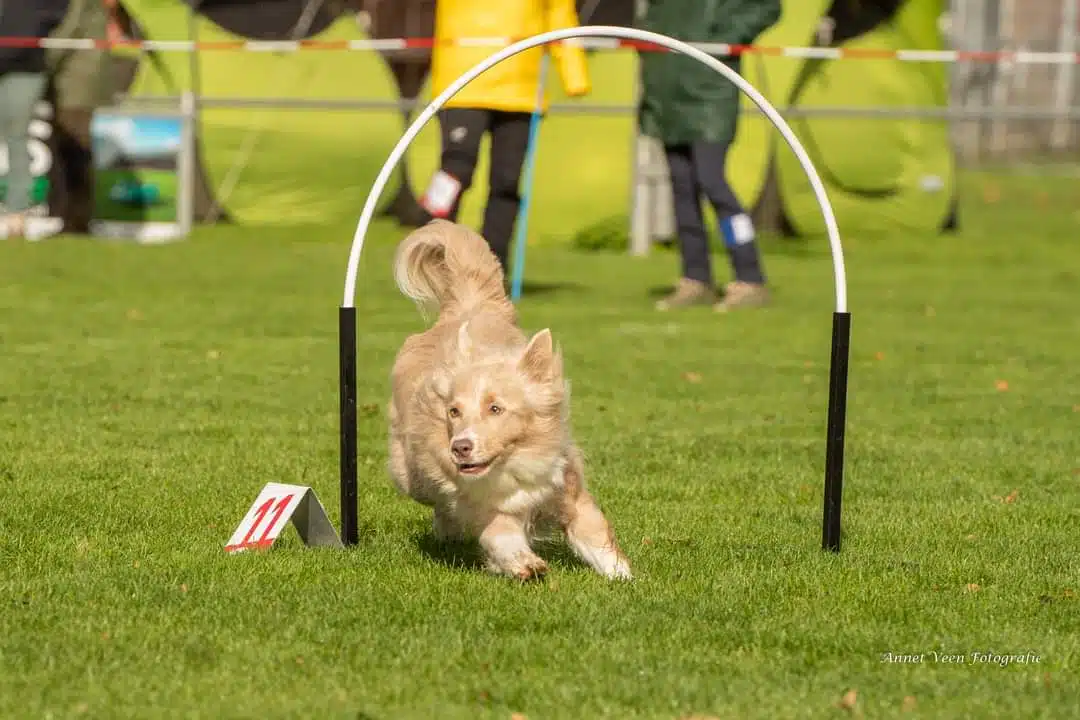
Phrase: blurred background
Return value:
(892, 132)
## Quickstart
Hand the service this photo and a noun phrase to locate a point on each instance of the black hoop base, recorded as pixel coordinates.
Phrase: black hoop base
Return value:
(834, 442)
(350, 534)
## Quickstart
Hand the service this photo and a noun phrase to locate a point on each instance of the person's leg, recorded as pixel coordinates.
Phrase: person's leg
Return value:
(74, 144)
(695, 287)
(736, 227)
(509, 143)
(461, 131)
(19, 93)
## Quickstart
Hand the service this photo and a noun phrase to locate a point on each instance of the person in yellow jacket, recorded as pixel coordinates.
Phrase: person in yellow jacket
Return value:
(499, 102)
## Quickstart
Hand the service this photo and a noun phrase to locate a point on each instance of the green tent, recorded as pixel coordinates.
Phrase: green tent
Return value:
(882, 174)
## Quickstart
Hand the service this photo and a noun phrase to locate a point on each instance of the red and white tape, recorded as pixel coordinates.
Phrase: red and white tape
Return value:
(392, 44)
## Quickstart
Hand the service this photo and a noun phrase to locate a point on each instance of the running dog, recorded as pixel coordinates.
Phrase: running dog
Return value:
(479, 414)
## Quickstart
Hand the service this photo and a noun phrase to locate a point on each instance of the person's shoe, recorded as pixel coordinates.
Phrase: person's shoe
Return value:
(687, 293)
(740, 294)
(15, 226)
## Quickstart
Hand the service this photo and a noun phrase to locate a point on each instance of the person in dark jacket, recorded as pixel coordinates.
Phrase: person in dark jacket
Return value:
(692, 110)
(22, 85)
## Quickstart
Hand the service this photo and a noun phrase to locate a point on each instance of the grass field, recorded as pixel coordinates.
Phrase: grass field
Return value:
(148, 393)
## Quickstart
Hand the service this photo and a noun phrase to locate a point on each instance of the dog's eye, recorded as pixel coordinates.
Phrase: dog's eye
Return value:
(454, 413)
(495, 409)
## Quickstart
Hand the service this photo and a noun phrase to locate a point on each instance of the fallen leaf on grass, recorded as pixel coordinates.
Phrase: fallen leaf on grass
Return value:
(908, 705)
(808, 364)
(1008, 499)
(879, 355)
(213, 354)
(369, 409)
(518, 716)
(1002, 385)
(1069, 594)
(1046, 680)
(299, 660)
(105, 635)
(646, 540)
(692, 377)
(972, 587)
(991, 194)
(848, 701)
(183, 587)
(970, 537)
(1076, 408)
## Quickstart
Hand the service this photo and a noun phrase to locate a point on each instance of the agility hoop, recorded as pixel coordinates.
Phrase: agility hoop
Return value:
(841, 325)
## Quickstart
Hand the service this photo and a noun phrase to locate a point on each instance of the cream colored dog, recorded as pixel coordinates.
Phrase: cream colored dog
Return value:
(479, 418)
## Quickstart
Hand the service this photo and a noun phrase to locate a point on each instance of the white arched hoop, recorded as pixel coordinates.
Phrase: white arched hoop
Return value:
(609, 32)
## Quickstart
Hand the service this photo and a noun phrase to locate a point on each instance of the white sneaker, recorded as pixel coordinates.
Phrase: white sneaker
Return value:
(15, 226)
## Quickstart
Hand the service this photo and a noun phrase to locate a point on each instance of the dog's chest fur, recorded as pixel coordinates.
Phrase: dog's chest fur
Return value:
(522, 488)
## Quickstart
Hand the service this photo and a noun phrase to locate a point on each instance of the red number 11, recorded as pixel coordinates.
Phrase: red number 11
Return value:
(261, 514)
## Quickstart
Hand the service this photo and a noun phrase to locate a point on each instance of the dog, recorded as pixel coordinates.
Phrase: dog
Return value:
(479, 415)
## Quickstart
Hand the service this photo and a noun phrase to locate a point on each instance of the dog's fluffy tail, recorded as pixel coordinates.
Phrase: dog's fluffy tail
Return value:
(447, 266)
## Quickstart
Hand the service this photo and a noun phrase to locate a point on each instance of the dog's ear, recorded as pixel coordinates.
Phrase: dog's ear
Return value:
(541, 361)
(440, 383)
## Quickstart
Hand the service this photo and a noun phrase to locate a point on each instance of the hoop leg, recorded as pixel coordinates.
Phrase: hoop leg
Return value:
(347, 355)
(834, 439)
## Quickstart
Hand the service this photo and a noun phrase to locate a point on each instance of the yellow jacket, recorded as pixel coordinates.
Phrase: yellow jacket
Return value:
(512, 84)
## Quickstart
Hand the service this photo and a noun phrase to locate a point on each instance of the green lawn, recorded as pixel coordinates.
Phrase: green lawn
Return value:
(147, 394)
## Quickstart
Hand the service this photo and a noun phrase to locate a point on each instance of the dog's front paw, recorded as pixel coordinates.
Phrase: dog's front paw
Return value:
(520, 567)
(620, 570)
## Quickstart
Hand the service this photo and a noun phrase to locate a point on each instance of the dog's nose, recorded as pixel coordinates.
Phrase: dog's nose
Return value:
(461, 448)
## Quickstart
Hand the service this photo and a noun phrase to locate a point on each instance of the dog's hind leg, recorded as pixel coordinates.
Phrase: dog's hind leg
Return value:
(591, 538)
(399, 467)
(587, 530)
(406, 478)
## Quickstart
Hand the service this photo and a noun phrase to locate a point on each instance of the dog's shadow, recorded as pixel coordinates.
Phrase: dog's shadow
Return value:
(467, 555)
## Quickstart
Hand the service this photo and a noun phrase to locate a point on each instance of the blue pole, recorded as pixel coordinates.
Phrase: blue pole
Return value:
(517, 272)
